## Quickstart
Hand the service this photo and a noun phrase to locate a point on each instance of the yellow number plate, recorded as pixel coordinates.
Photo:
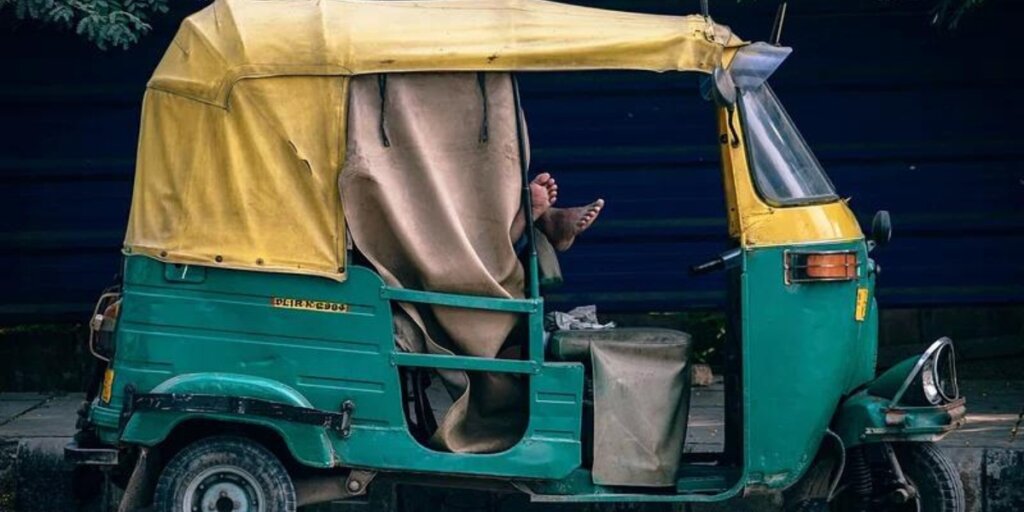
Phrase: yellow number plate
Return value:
(862, 304)
(309, 305)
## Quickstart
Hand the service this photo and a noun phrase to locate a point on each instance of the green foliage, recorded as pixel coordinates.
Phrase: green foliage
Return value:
(120, 23)
(107, 23)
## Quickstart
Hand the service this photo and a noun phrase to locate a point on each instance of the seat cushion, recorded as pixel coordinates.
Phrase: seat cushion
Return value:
(575, 345)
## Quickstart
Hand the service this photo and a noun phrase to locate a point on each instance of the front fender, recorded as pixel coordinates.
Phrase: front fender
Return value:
(867, 418)
(309, 444)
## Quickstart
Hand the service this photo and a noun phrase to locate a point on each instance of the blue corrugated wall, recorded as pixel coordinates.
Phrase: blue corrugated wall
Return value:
(922, 122)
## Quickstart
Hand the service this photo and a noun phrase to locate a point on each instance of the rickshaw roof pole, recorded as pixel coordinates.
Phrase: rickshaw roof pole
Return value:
(527, 202)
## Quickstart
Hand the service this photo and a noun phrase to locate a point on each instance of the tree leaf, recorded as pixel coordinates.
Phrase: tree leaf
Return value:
(106, 23)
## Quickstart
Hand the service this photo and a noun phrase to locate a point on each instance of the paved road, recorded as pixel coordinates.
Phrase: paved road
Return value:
(34, 427)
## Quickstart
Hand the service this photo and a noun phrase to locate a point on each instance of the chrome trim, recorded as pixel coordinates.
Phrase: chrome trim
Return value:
(788, 267)
(97, 322)
(834, 486)
(928, 354)
(956, 380)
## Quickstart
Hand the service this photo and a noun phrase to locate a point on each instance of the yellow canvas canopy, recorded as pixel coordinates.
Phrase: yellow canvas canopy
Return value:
(243, 124)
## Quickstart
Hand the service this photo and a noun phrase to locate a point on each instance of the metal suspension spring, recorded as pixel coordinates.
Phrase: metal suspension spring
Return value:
(859, 472)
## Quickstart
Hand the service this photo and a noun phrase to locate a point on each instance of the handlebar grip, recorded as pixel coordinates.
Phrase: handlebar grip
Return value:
(706, 267)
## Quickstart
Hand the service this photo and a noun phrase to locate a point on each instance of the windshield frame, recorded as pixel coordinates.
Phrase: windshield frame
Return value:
(799, 144)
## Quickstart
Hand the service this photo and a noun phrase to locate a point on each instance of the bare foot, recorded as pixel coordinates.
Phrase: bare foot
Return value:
(563, 225)
(543, 194)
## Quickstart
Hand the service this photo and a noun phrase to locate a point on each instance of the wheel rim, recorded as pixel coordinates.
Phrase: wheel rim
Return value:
(914, 505)
(223, 489)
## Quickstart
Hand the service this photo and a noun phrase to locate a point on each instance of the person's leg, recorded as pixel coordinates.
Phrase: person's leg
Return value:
(543, 193)
(563, 225)
(560, 225)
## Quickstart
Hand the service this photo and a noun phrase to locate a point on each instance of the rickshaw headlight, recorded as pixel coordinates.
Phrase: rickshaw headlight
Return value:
(929, 384)
(934, 375)
(927, 381)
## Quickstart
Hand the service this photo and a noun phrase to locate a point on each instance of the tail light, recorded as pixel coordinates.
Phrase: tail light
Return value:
(102, 325)
(804, 267)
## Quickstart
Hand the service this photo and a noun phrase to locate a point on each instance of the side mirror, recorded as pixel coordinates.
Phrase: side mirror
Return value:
(881, 228)
(719, 87)
(754, 63)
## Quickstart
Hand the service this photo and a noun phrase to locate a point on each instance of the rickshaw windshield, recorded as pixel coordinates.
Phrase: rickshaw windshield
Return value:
(785, 170)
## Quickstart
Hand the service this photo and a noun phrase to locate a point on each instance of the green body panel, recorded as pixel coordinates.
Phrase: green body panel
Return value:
(309, 444)
(803, 349)
(195, 329)
(463, 301)
(866, 354)
(446, 362)
(889, 382)
(188, 329)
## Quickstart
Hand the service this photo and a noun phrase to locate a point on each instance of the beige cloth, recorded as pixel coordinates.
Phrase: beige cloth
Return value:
(641, 385)
(641, 402)
(433, 211)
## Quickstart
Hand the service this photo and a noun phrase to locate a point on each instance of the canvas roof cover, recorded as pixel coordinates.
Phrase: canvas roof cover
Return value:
(243, 123)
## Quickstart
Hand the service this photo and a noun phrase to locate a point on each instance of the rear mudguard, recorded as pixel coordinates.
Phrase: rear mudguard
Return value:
(866, 417)
(308, 444)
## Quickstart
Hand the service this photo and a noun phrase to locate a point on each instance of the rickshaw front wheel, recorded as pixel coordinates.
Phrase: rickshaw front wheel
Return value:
(224, 474)
(933, 482)
(936, 479)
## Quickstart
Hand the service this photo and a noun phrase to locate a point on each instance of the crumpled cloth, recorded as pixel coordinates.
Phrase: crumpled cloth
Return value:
(576, 319)
(431, 186)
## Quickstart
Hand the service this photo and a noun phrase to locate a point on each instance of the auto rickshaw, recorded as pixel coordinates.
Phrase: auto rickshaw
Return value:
(248, 363)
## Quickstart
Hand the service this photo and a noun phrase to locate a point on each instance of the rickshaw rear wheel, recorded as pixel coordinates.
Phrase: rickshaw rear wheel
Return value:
(934, 480)
(224, 474)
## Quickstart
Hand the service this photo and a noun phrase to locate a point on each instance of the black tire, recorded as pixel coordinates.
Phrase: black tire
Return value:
(926, 468)
(937, 480)
(221, 472)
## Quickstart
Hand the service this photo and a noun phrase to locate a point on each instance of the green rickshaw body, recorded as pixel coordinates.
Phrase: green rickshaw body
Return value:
(797, 371)
(187, 329)
(194, 330)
